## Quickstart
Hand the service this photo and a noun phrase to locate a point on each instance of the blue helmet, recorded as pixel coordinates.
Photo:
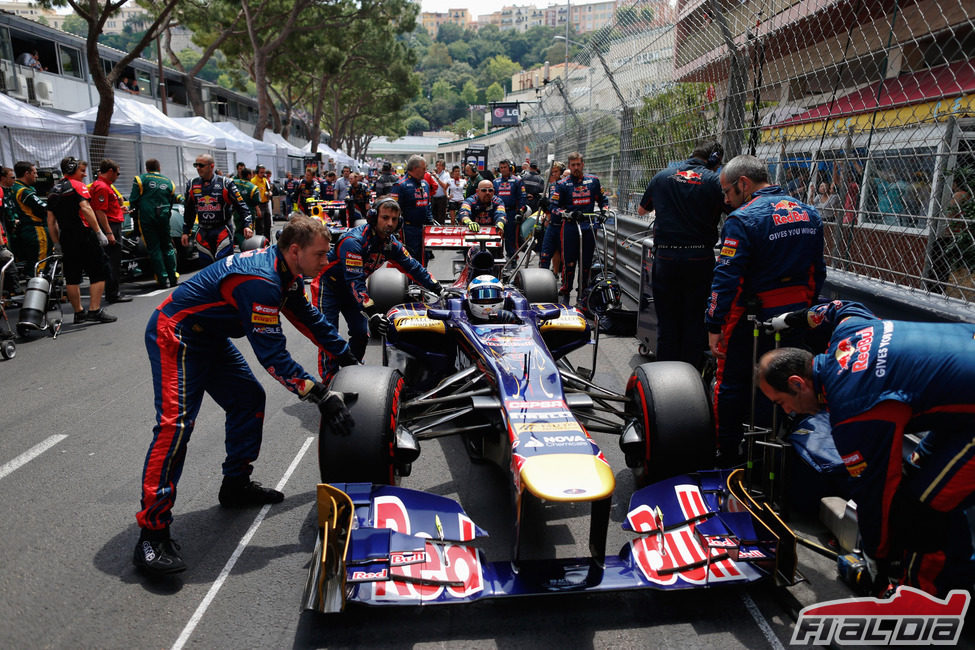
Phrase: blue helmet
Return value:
(485, 296)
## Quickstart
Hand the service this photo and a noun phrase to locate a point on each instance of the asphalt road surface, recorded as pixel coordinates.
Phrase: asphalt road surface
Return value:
(76, 416)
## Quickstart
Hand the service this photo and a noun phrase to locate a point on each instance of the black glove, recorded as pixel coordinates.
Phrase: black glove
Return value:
(602, 215)
(437, 288)
(379, 324)
(347, 358)
(543, 203)
(576, 215)
(331, 405)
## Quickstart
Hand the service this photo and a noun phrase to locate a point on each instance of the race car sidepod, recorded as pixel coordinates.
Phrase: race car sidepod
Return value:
(387, 545)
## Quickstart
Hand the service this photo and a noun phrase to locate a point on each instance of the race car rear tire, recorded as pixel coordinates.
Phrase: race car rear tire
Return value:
(388, 288)
(538, 285)
(669, 402)
(366, 454)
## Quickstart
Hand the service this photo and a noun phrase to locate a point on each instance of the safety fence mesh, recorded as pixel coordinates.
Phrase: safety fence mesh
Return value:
(862, 108)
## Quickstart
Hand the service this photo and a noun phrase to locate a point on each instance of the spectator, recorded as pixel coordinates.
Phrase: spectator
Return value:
(385, 181)
(851, 193)
(771, 261)
(240, 166)
(551, 255)
(126, 84)
(342, 184)
(110, 211)
(525, 169)
(827, 203)
(31, 60)
(455, 192)
(151, 201)
(261, 180)
(72, 224)
(438, 202)
(473, 178)
(890, 197)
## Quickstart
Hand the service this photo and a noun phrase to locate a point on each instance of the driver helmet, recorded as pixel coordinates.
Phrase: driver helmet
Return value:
(485, 296)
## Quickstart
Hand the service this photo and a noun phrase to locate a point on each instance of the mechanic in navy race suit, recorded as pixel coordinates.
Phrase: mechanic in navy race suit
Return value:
(483, 209)
(879, 379)
(552, 235)
(190, 353)
(290, 192)
(511, 190)
(211, 200)
(341, 287)
(307, 189)
(688, 203)
(413, 195)
(580, 192)
(771, 260)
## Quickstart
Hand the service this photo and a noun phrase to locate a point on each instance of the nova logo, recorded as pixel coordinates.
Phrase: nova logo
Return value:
(564, 440)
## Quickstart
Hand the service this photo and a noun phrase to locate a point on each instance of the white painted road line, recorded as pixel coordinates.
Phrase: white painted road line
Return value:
(763, 625)
(30, 454)
(244, 541)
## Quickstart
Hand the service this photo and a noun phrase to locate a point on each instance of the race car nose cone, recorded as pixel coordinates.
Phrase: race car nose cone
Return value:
(568, 477)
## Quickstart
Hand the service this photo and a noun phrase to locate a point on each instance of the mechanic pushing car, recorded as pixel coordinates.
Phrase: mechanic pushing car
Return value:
(579, 193)
(190, 352)
(483, 209)
(211, 199)
(771, 260)
(878, 379)
(341, 287)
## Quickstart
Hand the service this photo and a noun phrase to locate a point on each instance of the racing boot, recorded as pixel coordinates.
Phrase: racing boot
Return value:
(241, 492)
(157, 554)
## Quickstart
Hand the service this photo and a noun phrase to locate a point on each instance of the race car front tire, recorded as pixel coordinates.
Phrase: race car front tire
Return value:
(538, 285)
(388, 287)
(669, 402)
(366, 454)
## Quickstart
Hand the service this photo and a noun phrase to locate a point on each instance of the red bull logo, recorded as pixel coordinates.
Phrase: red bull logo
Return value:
(844, 351)
(689, 176)
(793, 213)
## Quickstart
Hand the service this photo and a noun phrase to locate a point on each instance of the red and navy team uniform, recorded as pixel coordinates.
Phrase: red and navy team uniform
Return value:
(212, 204)
(326, 190)
(341, 287)
(688, 203)
(879, 379)
(415, 212)
(771, 261)
(291, 193)
(511, 191)
(552, 239)
(484, 214)
(576, 194)
(190, 352)
(305, 191)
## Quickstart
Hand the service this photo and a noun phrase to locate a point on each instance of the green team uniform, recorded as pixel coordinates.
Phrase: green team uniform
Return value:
(252, 197)
(151, 202)
(32, 241)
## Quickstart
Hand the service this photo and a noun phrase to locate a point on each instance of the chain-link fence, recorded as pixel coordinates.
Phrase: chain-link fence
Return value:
(863, 108)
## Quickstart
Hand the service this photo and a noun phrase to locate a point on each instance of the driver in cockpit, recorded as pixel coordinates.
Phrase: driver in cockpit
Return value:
(485, 301)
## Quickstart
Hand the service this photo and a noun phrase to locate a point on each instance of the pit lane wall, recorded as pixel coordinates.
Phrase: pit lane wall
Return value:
(872, 101)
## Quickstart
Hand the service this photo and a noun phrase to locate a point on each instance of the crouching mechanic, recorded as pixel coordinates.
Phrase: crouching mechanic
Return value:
(483, 209)
(342, 285)
(190, 352)
(880, 379)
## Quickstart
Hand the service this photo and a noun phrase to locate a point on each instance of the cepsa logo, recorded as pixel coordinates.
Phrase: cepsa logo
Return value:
(910, 617)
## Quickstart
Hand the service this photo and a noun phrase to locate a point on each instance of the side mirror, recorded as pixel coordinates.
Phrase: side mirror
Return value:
(438, 314)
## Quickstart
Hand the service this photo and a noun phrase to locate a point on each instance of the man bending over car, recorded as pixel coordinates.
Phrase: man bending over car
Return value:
(880, 379)
(190, 353)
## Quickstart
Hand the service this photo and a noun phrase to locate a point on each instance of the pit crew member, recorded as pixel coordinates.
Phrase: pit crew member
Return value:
(73, 225)
(552, 232)
(688, 204)
(771, 260)
(252, 197)
(483, 209)
(151, 201)
(511, 190)
(413, 195)
(308, 189)
(190, 353)
(211, 200)
(342, 285)
(580, 192)
(31, 238)
(879, 379)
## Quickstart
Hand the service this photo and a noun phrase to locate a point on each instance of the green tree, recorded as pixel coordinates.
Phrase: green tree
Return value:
(494, 92)
(450, 33)
(469, 93)
(415, 124)
(460, 51)
(499, 69)
(437, 58)
(441, 90)
(75, 24)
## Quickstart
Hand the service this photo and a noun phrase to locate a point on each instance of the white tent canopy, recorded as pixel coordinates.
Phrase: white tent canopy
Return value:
(206, 127)
(132, 117)
(37, 135)
(250, 151)
(289, 149)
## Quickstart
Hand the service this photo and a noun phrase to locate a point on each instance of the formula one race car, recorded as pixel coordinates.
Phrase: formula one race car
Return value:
(511, 392)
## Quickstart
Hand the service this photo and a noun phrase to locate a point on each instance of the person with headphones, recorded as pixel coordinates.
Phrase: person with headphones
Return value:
(341, 287)
(688, 203)
(211, 199)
